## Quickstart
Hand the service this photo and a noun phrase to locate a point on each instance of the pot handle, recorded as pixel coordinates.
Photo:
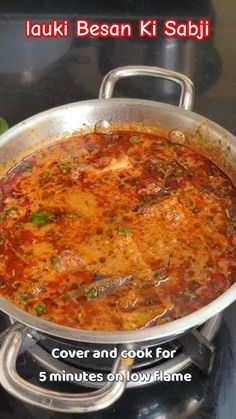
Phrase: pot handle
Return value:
(52, 400)
(187, 87)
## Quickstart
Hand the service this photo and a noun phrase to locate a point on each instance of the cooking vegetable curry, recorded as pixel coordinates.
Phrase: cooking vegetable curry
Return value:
(116, 232)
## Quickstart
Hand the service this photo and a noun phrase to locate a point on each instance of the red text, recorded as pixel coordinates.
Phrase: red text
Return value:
(199, 30)
(52, 29)
(84, 28)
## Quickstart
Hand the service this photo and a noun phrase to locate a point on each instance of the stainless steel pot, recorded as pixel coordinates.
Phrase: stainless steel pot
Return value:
(52, 125)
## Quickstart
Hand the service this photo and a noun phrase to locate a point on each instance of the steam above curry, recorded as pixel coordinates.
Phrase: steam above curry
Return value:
(115, 231)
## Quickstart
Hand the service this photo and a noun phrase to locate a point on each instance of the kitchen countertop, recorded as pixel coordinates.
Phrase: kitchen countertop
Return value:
(37, 74)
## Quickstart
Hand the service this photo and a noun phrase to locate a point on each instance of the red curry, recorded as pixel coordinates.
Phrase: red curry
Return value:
(115, 232)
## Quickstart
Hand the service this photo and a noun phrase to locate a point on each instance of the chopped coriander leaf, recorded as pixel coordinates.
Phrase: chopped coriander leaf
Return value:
(182, 164)
(158, 162)
(91, 294)
(64, 168)
(56, 263)
(40, 218)
(135, 139)
(125, 230)
(71, 294)
(45, 174)
(2, 217)
(11, 211)
(3, 125)
(40, 309)
(24, 296)
(167, 174)
(189, 295)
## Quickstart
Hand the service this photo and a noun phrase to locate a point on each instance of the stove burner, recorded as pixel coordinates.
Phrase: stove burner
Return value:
(199, 349)
(194, 347)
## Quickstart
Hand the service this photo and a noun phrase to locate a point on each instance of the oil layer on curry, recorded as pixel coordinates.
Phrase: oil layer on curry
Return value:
(115, 232)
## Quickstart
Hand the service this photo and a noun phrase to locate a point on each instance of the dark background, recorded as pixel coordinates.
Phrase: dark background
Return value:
(36, 74)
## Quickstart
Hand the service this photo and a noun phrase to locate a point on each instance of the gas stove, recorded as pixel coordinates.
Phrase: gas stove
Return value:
(207, 354)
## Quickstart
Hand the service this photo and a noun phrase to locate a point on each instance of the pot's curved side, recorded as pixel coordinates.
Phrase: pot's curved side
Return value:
(129, 114)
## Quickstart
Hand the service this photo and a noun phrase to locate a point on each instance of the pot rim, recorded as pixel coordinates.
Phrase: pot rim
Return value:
(40, 117)
(163, 331)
